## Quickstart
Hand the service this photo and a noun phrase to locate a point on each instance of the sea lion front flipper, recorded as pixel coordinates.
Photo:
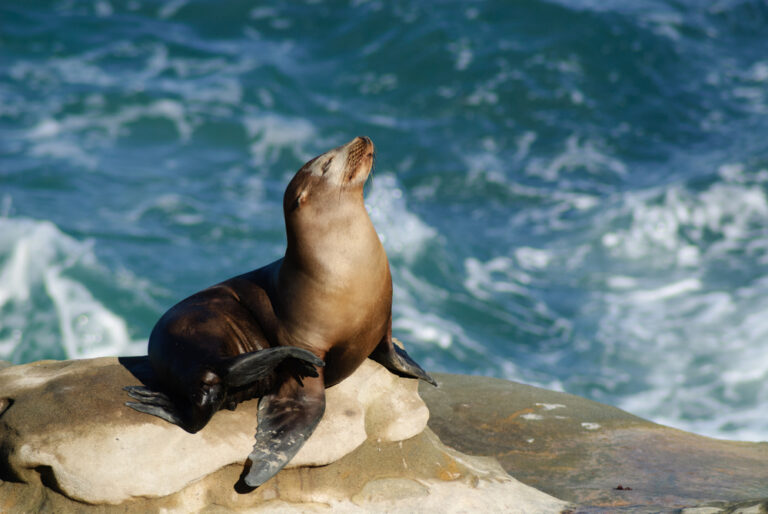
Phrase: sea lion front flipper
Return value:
(390, 354)
(286, 420)
(154, 403)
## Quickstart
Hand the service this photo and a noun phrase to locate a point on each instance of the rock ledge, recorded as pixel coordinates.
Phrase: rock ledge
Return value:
(67, 442)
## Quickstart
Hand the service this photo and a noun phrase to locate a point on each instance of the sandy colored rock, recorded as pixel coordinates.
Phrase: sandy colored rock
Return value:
(419, 474)
(69, 419)
(65, 434)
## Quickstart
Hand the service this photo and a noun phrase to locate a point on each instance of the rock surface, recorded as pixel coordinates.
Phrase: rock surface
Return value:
(67, 442)
(64, 434)
(582, 451)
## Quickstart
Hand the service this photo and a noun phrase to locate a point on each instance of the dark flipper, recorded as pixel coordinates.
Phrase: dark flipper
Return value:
(397, 360)
(152, 402)
(258, 371)
(259, 365)
(286, 420)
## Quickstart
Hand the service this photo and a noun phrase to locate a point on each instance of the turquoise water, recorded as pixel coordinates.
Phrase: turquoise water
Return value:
(572, 193)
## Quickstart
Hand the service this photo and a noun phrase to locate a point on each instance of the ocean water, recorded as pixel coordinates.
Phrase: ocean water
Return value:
(572, 193)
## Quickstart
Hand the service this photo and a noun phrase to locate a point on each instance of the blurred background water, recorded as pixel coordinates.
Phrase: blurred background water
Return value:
(572, 193)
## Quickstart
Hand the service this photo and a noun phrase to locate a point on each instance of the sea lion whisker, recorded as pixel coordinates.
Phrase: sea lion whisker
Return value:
(370, 175)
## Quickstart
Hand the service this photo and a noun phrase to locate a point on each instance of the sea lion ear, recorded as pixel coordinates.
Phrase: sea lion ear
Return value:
(299, 201)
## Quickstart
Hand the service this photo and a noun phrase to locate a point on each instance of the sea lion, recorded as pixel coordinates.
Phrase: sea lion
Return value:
(288, 330)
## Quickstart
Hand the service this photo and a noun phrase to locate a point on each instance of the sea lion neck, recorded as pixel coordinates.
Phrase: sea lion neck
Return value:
(333, 233)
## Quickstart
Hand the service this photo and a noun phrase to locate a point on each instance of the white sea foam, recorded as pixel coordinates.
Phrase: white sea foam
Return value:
(523, 144)
(376, 83)
(259, 13)
(462, 53)
(759, 71)
(182, 210)
(414, 323)
(578, 154)
(508, 290)
(665, 224)
(43, 306)
(669, 291)
(532, 258)
(491, 166)
(406, 237)
(701, 349)
(49, 135)
(695, 353)
(487, 166)
(272, 134)
(61, 138)
(402, 233)
(383, 120)
(170, 8)
(499, 275)
(216, 89)
(65, 151)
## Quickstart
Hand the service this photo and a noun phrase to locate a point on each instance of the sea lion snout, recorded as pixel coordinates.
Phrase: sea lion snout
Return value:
(359, 159)
(366, 140)
(363, 144)
(346, 165)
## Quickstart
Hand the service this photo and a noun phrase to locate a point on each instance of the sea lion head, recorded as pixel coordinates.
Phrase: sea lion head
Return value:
(340, 171)
(327, 227)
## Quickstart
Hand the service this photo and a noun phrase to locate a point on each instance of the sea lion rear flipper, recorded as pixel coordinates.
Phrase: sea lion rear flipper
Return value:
(154, 403)
(286, 420)
(393, 356)
(260, 365)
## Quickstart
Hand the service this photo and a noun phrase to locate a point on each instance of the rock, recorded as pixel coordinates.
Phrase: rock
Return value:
(581, 451)
(71, 420)
(745, 507)
(67, 442)
(67, 438)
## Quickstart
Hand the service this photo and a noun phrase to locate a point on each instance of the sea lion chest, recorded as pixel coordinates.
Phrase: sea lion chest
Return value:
(340, 316)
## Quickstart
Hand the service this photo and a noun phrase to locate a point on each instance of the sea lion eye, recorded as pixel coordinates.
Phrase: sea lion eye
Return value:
(327, 165)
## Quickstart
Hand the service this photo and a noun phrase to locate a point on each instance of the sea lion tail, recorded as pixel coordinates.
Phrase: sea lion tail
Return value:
(261, 365)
